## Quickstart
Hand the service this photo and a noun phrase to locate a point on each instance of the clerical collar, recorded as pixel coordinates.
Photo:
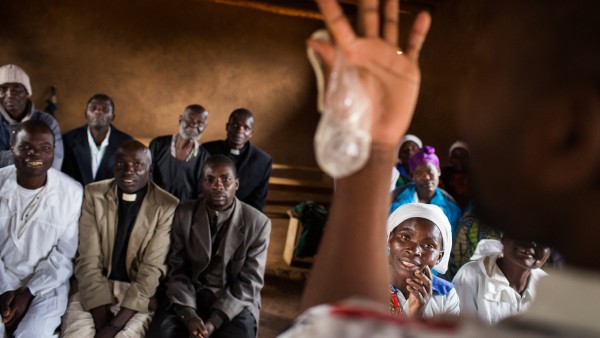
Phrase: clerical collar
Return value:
(237, 152)
(138, 195)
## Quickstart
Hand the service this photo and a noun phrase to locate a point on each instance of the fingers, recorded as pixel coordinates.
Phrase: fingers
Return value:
(368, 18)
(6, 303)
(391, 17)
(417, 35)
(336, 22)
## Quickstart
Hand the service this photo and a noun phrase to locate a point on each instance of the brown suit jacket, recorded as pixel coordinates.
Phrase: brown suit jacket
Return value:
(244, 257)
(146, 251)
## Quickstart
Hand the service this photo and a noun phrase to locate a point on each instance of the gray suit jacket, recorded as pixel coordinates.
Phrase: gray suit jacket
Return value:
(244, 257)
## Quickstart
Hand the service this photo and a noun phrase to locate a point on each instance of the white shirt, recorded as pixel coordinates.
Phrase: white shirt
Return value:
(97, 152)
(41, 255)
(485, 292)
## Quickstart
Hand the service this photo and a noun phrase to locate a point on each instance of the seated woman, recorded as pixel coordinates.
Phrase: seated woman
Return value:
(425, 171)
(419, 239)
(409, 145)
(500, 280)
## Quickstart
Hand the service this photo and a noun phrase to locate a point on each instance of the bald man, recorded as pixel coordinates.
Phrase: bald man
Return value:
(125, 227)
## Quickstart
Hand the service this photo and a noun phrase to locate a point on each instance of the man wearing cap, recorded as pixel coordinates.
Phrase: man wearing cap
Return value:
(39, 224)
(425, 171)
(253, 165)
(15, 108)
(90, 149)
(178, 159)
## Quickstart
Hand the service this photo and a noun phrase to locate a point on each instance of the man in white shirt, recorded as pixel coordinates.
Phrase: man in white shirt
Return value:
(39, 214)
(90, 149)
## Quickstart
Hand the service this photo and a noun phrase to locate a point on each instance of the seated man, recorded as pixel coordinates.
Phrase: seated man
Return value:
(253, 165)
(216, 263)
(125, 227)
(425, 171)
(39, 215)
(178, 159)
(15, 108)
(90, 149)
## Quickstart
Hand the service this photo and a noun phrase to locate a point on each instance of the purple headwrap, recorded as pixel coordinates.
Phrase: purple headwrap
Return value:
(425, 155)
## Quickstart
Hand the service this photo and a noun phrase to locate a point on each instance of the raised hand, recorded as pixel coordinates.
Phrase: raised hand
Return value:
(420, 291)
(392, 80)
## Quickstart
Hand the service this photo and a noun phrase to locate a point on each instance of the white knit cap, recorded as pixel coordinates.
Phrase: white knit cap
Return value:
(429, 212)
(413, 138)
(14, 74)
(458, 144)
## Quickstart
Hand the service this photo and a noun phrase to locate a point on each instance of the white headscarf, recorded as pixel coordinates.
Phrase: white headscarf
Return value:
(412, 138)
(429, 212)
(456, 145)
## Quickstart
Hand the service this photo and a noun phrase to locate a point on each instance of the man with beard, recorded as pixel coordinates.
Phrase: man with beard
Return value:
(216, 263)
(90, 149)
(253, 165)
(39, 215)
(15, 108)
(125, 227)
(178, 159)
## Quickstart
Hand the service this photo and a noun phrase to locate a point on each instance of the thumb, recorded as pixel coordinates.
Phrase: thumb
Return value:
(6, 302)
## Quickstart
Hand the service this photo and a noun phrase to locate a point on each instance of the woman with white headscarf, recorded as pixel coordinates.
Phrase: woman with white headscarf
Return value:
(420, 239)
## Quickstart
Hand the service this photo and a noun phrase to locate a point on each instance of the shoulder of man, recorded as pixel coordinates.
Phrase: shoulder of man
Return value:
(74, 133)
(45, 117)
(215, 147)
(161, 141)
(161, 196)
(65, 181)
(250, 213)
(256, 152)
(121, 136)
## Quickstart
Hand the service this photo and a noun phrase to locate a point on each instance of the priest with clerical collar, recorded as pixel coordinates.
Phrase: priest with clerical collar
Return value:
(252, 164)
(125, 236)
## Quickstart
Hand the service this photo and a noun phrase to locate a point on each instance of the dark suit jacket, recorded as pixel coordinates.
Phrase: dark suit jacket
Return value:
(244, 256)
(254, 168)
(78, 159)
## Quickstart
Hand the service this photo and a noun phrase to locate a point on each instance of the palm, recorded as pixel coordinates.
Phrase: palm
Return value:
(380, 67)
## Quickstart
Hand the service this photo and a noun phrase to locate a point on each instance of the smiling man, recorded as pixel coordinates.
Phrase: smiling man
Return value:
(39, 214)
(125, 228)
(90, 149)
(253, 165)
(178, 159)
(16, 108)
(216, 263)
